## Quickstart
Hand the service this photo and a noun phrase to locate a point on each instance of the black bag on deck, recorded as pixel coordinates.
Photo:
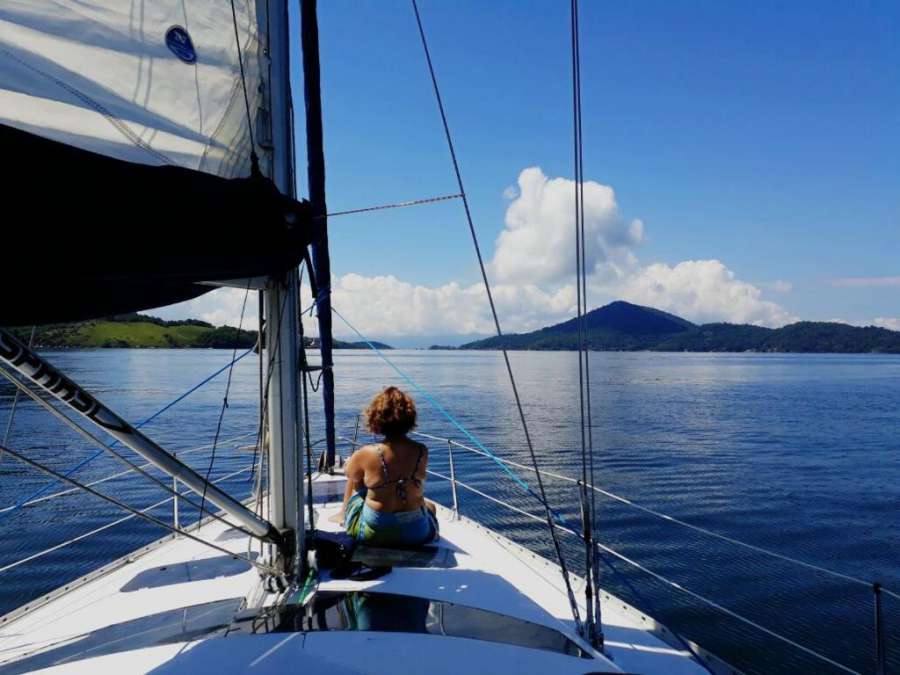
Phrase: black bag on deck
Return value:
(333, 549)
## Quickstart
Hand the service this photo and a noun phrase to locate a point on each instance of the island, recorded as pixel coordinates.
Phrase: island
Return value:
(622, 326)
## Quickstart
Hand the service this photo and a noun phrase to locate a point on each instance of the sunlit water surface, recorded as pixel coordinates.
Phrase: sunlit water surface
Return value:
(796, 453)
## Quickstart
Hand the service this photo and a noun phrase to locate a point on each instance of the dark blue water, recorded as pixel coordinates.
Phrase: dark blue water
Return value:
(796, 453)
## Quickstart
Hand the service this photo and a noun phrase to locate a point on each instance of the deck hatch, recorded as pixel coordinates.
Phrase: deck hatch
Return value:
(388, 612)
(175, 625)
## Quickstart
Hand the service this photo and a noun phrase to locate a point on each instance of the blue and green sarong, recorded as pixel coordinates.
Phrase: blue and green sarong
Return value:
(380, 528)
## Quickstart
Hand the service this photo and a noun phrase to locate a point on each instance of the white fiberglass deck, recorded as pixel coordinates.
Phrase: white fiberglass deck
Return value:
(142, 616)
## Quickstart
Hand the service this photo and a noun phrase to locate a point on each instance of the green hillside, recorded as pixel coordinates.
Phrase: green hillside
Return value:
(621, 326)
(142, 331)
(113, 334)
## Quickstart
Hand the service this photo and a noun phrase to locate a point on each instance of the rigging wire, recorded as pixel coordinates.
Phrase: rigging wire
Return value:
(254, 158)
(15, 403)
(103, 528)
(648, 603)
(672, 519)
(659, 577)
(87, 435)
(237, 340)
(270, 368)
(441, 409)
(40, 491)
(395, 205)
(261, 326)
(305, 393)
(593, 620)
(122, 505)
(543, 495)
(117, 474)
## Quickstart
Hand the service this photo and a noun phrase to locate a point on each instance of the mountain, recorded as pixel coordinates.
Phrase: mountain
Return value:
(618, 326)
(623, 317)
(142, 331)
(622, 326)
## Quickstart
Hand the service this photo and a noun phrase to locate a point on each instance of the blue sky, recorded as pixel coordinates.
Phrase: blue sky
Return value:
(761, 135)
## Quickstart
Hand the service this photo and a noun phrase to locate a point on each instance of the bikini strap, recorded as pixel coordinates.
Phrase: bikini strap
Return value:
(384, 468)
(400, 483)
(413, 476)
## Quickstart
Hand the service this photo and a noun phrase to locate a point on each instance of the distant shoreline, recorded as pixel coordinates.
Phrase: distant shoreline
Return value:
(140, 331)
(616, 327)
(622, 326)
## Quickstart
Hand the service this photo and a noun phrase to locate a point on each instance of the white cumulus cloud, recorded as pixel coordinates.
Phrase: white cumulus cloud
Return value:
(538, 243)
(385, 306)
(532, 270)
(891, 323)
(221, 307)
(779, 286)
(702, 291)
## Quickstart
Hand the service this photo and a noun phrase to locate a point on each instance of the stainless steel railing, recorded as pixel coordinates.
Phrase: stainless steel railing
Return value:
(63, 493)
(877, 589)
(456, 484)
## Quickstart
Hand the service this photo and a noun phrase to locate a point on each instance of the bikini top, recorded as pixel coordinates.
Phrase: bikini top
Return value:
(400, 483)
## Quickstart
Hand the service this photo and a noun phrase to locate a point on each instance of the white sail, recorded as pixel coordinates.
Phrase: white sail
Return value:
(151, 82)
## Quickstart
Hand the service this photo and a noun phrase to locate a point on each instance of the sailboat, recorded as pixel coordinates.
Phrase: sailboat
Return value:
(143, 142)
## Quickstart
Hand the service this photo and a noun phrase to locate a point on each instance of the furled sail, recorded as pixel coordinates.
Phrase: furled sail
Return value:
(97, 236)
(151, 82)
(126, 164)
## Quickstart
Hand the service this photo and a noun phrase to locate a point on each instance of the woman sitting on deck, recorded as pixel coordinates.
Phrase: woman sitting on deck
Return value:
(384, 504)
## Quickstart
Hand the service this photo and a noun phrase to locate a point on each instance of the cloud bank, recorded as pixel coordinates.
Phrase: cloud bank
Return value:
(891, 323)
(532, 273)
(703, 291)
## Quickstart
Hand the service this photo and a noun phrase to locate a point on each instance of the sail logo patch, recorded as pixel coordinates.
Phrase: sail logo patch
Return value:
(180, 44)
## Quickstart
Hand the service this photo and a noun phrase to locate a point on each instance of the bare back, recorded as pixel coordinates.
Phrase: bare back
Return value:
(393, 473)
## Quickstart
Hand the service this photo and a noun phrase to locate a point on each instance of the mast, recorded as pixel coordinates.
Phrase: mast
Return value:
(282, 316)
(315, 157)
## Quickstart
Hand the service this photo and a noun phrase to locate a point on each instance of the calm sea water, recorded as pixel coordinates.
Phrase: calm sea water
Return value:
(796, 453)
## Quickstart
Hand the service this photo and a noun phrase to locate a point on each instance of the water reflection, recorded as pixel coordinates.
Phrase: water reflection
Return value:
(794, 452)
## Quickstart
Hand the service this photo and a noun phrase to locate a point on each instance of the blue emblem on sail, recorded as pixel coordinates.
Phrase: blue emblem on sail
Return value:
(180, 44)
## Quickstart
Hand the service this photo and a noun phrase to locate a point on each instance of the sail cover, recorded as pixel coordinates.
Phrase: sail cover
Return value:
(126, 157)
(97, 236)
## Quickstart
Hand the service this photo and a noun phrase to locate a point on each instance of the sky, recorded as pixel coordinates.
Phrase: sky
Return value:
(740, 159)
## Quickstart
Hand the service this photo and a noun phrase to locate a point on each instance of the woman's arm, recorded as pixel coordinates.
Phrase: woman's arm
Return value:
(356, 476)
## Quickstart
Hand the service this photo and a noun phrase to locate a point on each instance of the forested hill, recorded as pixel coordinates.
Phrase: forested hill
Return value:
(144, 331)
(621, 326)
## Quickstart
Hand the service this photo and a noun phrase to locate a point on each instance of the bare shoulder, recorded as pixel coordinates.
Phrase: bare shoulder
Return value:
(368, 451)
(420, 447)
(362, 456)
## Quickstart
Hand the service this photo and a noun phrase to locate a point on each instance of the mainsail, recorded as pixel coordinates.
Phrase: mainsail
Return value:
(151, 82)
(127, 143)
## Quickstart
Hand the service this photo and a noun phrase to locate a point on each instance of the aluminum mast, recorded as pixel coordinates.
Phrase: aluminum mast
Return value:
(282, 311)
(315, 157)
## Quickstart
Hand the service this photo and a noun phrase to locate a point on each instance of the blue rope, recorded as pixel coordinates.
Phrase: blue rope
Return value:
(152, 417)
(439, 407)
(481, 446)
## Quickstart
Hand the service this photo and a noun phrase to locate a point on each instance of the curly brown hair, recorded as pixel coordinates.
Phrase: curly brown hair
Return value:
(391, 413)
